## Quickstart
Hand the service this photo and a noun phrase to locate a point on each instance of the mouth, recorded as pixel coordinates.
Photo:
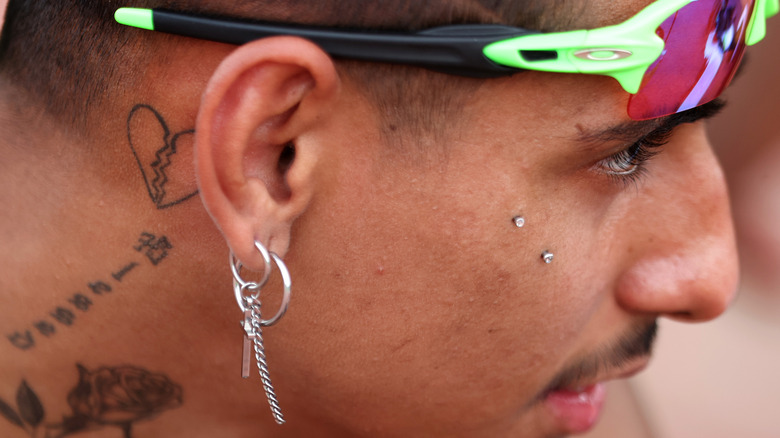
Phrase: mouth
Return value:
(576, 404)
(574, 398)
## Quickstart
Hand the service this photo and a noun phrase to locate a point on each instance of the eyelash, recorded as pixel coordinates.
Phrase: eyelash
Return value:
(628, 165)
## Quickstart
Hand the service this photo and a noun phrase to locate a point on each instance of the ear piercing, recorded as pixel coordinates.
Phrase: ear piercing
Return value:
(547, 257)
(248, 298)
(519, 221)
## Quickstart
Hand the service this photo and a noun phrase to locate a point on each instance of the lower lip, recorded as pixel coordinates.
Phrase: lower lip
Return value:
(577, 411)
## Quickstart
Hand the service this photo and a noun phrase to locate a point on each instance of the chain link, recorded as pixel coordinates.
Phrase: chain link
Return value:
(247, 294)
(262, 364)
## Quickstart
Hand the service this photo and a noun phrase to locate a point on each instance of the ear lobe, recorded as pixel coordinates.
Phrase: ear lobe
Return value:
(254, 171)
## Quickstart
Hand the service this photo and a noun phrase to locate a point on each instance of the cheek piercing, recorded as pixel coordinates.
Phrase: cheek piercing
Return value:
(547, 256)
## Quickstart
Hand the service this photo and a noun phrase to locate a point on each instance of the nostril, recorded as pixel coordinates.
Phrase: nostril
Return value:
(683, 316)
(674, 287)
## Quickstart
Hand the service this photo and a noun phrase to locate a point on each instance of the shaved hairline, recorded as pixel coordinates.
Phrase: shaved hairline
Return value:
(68, 55)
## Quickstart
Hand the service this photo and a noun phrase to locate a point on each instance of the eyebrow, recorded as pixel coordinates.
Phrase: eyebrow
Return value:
(624, 132)
(631, 131)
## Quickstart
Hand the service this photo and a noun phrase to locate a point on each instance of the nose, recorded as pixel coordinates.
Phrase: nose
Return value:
(685, 264)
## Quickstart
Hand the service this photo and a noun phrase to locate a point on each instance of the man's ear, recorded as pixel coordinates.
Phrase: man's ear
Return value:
(254, 161)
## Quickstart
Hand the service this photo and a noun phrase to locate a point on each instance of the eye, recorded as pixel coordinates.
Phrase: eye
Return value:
(629, 164)
(629, 160)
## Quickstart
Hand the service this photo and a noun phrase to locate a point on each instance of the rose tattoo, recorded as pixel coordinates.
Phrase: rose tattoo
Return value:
(105, 397)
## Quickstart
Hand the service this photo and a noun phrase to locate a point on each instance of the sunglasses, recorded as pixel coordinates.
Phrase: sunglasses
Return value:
(672, 56)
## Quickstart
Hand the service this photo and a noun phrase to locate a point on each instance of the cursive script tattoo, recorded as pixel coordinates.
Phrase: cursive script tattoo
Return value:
(165, 160)
(66, 314)
(103, 397)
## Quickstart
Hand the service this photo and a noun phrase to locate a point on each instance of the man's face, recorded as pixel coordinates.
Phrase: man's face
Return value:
(435, 311)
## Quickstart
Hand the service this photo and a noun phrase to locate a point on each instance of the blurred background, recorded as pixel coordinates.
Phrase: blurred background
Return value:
(720, 379)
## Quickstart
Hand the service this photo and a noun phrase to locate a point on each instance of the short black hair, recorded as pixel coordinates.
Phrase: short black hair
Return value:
(69, 55)
(62, 53)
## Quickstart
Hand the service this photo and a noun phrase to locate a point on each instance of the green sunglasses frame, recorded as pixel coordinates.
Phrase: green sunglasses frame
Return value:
(624, 51)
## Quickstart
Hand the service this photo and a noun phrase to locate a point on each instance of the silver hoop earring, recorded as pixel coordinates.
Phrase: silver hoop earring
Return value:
(247, 294)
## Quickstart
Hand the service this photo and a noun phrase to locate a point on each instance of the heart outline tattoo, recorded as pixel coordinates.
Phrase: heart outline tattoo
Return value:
(167, 183)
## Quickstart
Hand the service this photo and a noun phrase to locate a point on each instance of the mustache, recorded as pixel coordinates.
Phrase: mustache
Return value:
(635, 344)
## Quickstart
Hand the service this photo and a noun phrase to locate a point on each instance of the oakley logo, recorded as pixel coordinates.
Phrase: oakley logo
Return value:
(602, 54)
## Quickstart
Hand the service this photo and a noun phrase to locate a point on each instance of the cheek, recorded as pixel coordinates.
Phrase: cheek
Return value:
(448, 297)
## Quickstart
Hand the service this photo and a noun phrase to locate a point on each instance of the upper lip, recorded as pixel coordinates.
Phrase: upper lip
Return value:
(627, 354)
(629, 368)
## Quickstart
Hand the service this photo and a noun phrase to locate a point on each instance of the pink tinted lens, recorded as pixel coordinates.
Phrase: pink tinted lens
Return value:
(704, 44)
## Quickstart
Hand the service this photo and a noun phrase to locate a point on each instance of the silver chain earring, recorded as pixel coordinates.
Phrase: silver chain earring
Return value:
(247, 295)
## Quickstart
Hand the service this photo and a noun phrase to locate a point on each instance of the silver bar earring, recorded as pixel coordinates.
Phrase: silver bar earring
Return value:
(247, 294)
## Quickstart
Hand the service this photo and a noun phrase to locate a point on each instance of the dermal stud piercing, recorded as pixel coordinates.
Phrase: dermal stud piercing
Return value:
(547, 256)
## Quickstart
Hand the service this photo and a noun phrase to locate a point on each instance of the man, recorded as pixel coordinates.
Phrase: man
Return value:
(470, 256)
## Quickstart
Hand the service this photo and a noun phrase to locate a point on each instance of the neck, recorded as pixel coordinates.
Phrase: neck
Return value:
(83, 234)
(111, 261)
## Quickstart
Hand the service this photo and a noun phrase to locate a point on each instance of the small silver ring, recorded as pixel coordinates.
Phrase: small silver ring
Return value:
(240, 285)
(285, 297)
(241, 299)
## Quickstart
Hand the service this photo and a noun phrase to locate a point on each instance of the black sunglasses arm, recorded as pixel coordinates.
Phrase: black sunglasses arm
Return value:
(455, 49)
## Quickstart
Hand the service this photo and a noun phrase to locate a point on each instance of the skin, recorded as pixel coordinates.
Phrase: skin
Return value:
(419, 309)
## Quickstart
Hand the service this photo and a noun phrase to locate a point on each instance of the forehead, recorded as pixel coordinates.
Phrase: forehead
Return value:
(589, 14)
